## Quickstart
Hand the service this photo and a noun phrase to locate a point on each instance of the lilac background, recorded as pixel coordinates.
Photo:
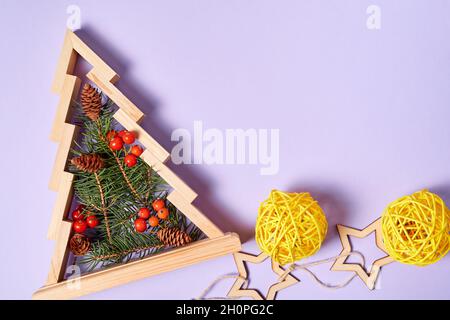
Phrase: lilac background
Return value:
(364, 119)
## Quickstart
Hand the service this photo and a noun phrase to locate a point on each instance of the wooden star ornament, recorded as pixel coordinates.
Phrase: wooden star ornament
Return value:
(241, 259)
(369, 278)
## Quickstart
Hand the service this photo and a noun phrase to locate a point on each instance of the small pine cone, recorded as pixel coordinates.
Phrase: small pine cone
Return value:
(91, 101)
(173, 237)
(88, 162)
(79, 244)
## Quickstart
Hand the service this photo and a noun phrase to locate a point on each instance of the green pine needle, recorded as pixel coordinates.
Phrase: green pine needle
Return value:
(121, 204)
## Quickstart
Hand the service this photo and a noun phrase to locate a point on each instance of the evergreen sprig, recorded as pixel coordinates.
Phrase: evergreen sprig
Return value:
(125, 191)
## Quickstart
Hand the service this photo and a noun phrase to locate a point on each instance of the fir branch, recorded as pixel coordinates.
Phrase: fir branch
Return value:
(149, 181)
(127, 180)
(124, 191)
(122, 249)
(125, 253)
(119, 163)
(103, 208)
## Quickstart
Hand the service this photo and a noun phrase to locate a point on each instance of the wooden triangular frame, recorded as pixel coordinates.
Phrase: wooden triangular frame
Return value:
(67, 86)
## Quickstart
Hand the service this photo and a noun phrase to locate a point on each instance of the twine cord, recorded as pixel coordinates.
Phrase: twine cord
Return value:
(305, 267)
(292, 226)
(205, 292)
(288, 270)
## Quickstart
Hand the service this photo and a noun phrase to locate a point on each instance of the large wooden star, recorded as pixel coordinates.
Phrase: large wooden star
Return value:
(236, 290)
(369, 278)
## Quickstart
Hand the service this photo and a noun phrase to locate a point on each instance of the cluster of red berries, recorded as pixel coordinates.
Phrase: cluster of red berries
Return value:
(83, 220)
(117, 141)
(144, 214)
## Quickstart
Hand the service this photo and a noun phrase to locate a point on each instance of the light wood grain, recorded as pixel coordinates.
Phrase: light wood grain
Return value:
(60, 254)
(68, 94)
(146, 139)
(194, 215)
(240, 290)
(368, 277)
(152, 265)
(169, 176)
(66, 63)
(115, 95)
(70, 133)
(62, 204)
(107, 73)
(61, 181)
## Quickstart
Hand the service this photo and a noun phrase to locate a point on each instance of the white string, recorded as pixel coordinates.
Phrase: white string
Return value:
(288, 270)
(305, 266)
(202, 296)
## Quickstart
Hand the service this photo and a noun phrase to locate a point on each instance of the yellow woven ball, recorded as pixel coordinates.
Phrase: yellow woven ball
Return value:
(416, 229)
(290, 226)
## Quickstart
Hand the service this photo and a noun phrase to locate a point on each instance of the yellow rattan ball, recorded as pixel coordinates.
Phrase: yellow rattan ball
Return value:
(416, 229)
(290, 226)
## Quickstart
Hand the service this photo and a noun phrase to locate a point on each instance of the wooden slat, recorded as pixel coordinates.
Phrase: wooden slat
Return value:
(194, 215)
(147, 140)
(68, 94)
(66, 63)
(70, 132)
(107, 73)
(115, 95)
(104, 77)
(156, 264)
(60, 253)
(169, 176)
(62, 204)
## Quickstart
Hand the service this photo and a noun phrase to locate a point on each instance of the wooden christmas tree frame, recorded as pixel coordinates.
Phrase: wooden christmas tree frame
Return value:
(128, 115)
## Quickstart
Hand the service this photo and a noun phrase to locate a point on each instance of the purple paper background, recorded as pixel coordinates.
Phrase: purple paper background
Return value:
(363, 118)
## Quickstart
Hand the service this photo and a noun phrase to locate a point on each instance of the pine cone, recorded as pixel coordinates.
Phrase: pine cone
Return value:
(88, 162)
(91, 101)
(79, 244)
(173, 237)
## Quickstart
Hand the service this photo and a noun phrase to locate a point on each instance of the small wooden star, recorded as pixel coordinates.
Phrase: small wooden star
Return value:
(236, 290)
(369, 278)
